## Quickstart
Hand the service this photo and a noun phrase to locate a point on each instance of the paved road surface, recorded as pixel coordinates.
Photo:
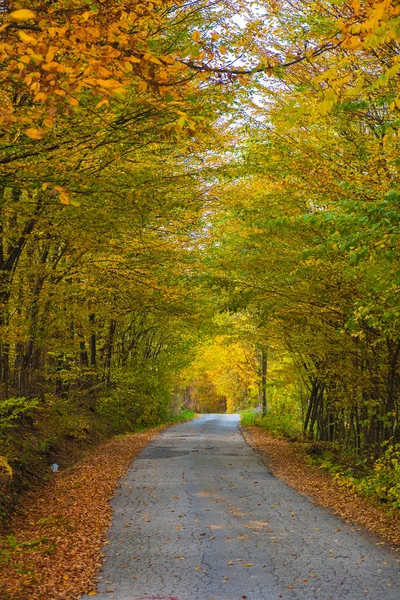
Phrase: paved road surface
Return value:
(199, 517)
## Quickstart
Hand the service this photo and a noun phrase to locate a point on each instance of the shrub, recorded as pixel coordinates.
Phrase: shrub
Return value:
(139, 399)
(13, 409)
(287, 425)
(384, 481)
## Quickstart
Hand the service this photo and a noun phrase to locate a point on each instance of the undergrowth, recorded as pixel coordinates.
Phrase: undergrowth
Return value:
(286, 425)
(377, 480)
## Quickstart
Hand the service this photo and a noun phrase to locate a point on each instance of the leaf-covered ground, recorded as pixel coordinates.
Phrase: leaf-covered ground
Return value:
(289, 464)
(53, 547)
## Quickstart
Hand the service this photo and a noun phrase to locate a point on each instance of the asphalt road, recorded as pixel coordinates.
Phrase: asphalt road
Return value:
(199, 517)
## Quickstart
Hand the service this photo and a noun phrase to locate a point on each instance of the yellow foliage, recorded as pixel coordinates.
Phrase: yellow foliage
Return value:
(23, 14)
(35, 134)
(6, 465)
(230, 367)
(28, 39)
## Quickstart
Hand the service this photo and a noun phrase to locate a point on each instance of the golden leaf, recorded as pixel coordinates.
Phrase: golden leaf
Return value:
(85, 16)
(34, 134)
(51, 65)
(351, 42)
(196, 36)
(64, 199)
(103, 102)
(120, 93)
(27, 39)
(4, 463)
(109, 83)
(22, 15)
(41, 96)
(37, 57)
(50, 55)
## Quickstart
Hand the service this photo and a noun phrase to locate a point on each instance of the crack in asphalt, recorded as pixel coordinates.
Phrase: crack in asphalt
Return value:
(198, 516)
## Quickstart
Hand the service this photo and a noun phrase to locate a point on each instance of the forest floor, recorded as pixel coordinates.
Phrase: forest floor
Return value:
(288, 461)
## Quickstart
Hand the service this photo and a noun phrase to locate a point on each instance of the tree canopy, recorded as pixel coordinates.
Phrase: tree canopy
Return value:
(199, 196)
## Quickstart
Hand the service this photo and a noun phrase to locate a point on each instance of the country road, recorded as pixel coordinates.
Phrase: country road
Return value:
(199, 517)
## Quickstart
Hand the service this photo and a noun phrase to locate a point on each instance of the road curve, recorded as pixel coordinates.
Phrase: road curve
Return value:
(198, 517)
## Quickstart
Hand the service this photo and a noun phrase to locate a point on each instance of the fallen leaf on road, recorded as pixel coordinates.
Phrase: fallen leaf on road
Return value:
(256, 524)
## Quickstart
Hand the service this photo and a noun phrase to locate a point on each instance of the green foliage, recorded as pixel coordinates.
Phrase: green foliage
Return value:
(286, 425)
(249, 418)
(377, 480)
(140, 398)
(184, 415)
(12, 409)
(11, 543)
(62, 427)
(384, 481)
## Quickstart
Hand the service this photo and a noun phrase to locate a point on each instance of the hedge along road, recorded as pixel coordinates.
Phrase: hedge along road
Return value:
(198, 517)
